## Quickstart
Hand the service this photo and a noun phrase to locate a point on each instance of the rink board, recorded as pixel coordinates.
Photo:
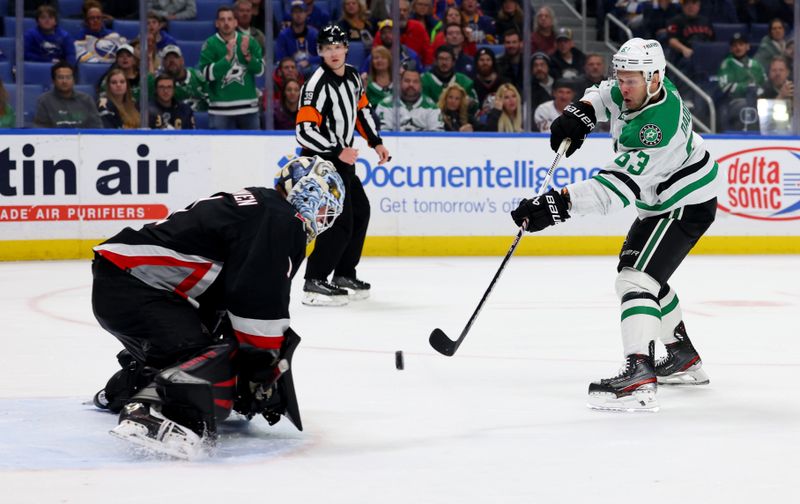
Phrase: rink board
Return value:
(442, 194)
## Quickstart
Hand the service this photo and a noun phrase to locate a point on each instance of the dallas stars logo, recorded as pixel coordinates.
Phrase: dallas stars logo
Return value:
(650, 135)
(235, 74)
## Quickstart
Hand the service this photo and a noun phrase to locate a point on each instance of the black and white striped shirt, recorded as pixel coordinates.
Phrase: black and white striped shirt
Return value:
(331, 109)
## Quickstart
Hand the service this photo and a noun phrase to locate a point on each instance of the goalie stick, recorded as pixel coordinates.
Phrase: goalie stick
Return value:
(438, 339)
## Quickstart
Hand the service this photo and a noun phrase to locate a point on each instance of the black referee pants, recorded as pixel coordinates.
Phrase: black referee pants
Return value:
(338, 249)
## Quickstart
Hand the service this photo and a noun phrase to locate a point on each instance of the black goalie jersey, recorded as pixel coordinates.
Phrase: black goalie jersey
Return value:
(235, 252)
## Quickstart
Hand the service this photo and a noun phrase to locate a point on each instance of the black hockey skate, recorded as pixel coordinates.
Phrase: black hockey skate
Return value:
(356, 289)
(633, 389)
(682, 364)
(321, 293)
(144, 425)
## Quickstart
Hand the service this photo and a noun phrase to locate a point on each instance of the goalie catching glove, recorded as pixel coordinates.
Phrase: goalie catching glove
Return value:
(542, 211)
(575, 123)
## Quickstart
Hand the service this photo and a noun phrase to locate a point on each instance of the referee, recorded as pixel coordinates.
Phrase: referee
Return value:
(333, 104)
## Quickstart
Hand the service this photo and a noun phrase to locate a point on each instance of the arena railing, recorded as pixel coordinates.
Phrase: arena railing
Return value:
(674, 73)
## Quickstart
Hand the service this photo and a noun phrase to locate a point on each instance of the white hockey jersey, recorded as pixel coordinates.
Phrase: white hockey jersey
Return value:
(660, 163)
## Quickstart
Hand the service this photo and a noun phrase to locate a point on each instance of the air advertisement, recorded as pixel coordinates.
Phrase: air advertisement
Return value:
(87, 187)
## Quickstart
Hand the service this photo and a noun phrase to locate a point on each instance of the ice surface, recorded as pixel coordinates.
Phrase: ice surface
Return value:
(504, 420)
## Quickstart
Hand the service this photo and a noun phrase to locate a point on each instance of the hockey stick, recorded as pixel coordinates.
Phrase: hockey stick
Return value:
(438, 339)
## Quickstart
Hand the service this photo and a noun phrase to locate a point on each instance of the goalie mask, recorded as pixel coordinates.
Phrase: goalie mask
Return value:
(314, 189)
(645, 56)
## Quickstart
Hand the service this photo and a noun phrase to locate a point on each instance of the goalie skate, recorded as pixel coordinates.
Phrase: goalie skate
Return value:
(146, 428)
(633, 389)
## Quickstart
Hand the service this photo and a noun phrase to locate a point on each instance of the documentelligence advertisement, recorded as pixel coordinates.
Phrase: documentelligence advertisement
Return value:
(91, 186)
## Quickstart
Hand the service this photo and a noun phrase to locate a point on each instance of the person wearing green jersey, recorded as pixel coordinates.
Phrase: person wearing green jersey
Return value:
(663, 169)
(230, 62)
(190, 86)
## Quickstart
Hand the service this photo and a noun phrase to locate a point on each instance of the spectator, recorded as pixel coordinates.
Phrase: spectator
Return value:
(30, 7)
(738, 72)
(314, 15)
(452, 15)
(355, 22)
(546, 113)
(412, 35)
(422, 11)
(631, 12)
(541, 80)
(157, 40)
(487, 80)
(286, 70)
(299, 41)
(379, 77)
(47, 42)
(773, 44)
(543, 38)
(127, 61)
(442, 74)
(684, 31)
(483, 30)
(417, 111)
(741, 80)
(62, 106)
(455, 38)
(384, 38)
(509, 17)
(594, 72)
(190, 85)
(166, 111)
(173, 9)
(243, 10)
(506, 117)
(8, 119)
(509, 65)
(230, 63)
(453, 105)
(285, 114)
(95, 43)
(568, 61)
(117, 107)
(121, 9)
(656, 16)
(778, 84)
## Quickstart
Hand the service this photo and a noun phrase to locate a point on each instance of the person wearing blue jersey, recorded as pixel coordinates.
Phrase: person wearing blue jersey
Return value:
(47, 42)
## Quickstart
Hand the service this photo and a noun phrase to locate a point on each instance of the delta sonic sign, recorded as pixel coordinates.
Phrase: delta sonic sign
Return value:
(761, 183)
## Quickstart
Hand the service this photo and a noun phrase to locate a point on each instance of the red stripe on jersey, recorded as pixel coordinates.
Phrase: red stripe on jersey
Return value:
(223, 403)
(226, 383)
(199, 270)
(265, 342)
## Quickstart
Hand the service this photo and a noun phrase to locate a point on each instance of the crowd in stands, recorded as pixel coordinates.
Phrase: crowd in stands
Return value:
(461, 60)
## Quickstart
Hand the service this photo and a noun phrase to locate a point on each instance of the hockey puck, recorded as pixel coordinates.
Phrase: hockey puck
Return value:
(398, 360)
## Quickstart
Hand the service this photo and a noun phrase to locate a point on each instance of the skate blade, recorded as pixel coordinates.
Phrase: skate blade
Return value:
(357, 295)
(137, 435)
(316, 299)
(690, 377)
(641, 401)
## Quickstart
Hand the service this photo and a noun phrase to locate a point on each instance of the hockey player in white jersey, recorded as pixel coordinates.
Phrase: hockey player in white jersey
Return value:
(663, 169)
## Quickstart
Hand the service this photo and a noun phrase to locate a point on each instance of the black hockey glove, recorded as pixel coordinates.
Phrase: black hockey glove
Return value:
(542, 211)
(577, 121)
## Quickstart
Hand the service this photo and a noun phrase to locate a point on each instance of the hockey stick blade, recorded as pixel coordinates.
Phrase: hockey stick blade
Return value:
(442, 344)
